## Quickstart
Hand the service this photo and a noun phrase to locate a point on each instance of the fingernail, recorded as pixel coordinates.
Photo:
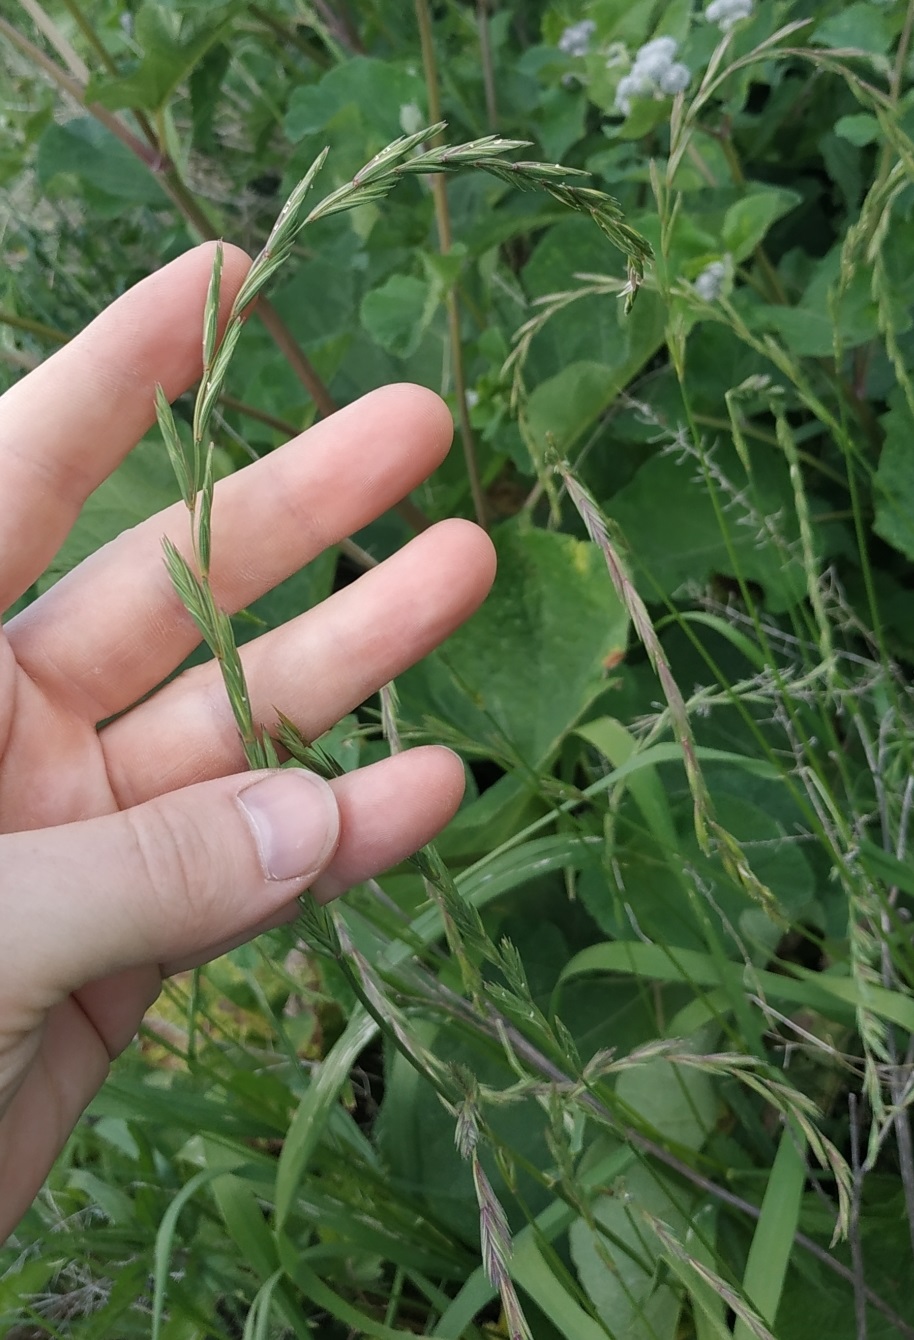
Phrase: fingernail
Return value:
(295, 821)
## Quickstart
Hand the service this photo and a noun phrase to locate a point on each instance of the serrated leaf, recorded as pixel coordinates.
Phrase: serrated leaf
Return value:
(170, 48)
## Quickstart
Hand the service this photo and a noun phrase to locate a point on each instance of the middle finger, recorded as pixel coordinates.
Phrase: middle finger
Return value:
(113, 629)
(315, 668)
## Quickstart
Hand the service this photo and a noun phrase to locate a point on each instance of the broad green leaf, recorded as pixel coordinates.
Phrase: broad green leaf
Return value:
(858, 25)
(860, 128)
(84, 148)
(396, 314)
(618, 1266)
(518, 676)
(416, 1132)
(592, 330)
(377, 88)
(673, 529)
(205, 86)
(676, 1100)
(332, 274)
(530, 1269)
(822, 318)
(560, 121)
(494, 817)
(109, 1199)
(747, 222)
(566, 405)
(816, 1302)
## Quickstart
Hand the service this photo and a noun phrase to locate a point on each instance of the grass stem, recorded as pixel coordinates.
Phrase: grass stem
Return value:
(443, 225)
(488, 68)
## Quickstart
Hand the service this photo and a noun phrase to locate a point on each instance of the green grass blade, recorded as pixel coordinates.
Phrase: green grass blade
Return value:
(618, 745)
(257, 1322)
(530, 1271)
(240, 1211)
(310, 1121)
(704, 1284)
(709, 1313)
(823, 991)
(328, 1300)
(165, 1239)
(772, 1242)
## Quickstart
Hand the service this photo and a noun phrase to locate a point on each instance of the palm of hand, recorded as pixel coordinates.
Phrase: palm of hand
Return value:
(102, 639)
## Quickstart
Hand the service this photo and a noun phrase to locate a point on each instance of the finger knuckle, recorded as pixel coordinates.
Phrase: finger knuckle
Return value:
(169, 857)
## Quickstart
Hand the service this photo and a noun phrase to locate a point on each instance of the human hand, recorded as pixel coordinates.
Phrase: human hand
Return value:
(127, 851)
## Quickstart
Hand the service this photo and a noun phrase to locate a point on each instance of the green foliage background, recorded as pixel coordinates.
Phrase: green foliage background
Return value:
(690, 1030)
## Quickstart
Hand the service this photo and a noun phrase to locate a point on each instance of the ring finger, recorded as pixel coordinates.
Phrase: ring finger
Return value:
(315, 669)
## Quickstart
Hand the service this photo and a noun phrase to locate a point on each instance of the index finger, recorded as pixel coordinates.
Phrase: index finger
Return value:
(68, 424)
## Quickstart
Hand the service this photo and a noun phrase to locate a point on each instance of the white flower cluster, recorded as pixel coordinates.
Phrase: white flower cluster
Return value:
(655, 73)
(575, 40)
(710, 283)
(725, 13)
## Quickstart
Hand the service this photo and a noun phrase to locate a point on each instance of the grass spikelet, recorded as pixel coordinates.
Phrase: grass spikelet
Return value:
(495, 1242)
(597, 528)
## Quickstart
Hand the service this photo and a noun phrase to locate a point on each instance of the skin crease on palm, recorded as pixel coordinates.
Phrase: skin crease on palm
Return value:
(108, 880)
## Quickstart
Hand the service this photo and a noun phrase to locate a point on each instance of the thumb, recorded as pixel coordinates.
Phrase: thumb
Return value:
(160, 882)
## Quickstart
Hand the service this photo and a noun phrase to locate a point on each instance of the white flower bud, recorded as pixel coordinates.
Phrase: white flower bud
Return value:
(412, 119)
(575, 40)
(655, 58)
(726, 13)
(710, 283)
(654, 72)
(676, 78)
(629, 87)
(663, 48)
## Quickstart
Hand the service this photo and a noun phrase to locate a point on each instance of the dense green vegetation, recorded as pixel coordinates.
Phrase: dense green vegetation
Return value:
(675, 1046)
